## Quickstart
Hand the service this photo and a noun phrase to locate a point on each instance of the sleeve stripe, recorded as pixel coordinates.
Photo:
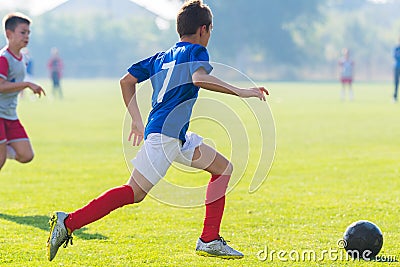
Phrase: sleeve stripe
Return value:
(3, 67)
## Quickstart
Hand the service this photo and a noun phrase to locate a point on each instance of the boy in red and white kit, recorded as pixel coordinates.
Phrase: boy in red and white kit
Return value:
(14, 142)
(346, 65)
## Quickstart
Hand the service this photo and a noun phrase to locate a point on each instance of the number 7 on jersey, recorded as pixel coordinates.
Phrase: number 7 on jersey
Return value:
(170, 66)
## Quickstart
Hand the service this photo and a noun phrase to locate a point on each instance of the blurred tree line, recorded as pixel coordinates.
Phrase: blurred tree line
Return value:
(265, 39)
(96, 45)
(303, 39)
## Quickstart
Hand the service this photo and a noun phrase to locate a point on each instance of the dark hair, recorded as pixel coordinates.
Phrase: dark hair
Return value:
(192, 15)
(11, 21)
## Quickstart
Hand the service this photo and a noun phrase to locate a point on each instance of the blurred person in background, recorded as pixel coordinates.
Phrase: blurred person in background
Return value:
(396, 55)
(55, 66)
(346, 70)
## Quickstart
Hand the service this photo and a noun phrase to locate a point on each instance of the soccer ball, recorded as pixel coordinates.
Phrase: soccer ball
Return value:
(363, 240)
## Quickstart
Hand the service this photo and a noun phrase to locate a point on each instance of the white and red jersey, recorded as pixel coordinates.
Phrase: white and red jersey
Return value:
(347, 66)
(55, 65)
(12, 69)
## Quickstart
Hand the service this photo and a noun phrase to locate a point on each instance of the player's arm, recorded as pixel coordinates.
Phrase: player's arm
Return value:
(9, 87)
(128, 88)
(209, 82)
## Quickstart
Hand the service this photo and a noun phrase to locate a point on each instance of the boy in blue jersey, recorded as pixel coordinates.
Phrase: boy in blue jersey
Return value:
(14, 142)
(176, 75)
(396, 55)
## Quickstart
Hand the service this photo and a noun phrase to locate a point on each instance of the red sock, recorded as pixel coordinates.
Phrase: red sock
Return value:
(215, 204)
(100, 207)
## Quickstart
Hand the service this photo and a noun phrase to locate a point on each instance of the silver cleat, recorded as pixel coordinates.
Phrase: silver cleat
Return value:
(58, 234)
(217, 248)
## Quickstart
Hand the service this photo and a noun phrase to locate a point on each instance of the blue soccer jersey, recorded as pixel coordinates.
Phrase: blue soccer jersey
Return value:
(174, 93)
(396, 55)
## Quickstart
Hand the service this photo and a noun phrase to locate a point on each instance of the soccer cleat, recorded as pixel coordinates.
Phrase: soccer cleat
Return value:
(217, 248)
(58, 234)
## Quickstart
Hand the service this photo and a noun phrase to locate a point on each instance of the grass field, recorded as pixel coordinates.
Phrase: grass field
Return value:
(335, 163)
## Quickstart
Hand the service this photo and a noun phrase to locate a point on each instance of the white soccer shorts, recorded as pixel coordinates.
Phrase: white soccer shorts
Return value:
(159, 151)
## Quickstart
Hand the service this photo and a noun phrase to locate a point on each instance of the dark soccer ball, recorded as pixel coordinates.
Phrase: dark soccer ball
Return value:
(363, 240)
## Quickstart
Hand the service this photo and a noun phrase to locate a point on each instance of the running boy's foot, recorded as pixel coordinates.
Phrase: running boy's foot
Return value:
(58, 234)
(217, 248)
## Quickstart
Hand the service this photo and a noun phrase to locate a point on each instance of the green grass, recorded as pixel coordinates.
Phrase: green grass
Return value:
(336, 162)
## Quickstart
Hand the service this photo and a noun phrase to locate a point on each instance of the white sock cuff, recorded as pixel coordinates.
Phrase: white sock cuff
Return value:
(11, 154)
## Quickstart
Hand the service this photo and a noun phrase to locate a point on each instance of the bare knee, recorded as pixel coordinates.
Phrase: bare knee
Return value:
(2, 161)
(140, 186)
(139, 196)
(221, 167)
(24, 158)
(3, 157)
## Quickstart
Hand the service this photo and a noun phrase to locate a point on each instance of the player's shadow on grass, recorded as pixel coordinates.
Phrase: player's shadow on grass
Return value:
(42, 222)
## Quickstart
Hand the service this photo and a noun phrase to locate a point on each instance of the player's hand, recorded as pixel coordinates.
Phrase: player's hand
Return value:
(36, 89)
(137, 131)
(259, 92)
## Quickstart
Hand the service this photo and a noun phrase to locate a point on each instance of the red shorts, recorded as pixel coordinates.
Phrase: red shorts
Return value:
(11, 131)
(347, 80)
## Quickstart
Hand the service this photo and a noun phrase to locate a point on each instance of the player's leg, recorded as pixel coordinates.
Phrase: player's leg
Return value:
(3, 154)
(133, 192)
(3, 143)
(62, 224)
(53, 78)
(54, 81)
(57, 87)
(396, 82)
(343, 91)
(351, 93)
(210, 243)
(20, 150)
(18, 145)
(60, 91)
(208, 159)
(140, 186)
